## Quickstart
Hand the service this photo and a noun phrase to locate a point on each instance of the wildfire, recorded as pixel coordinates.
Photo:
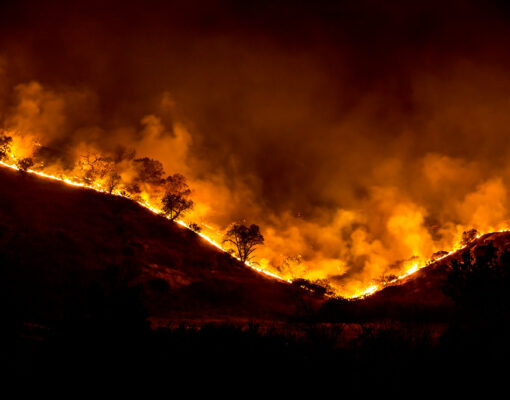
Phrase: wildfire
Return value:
(415, 268)
(74, 182)
(369, 290)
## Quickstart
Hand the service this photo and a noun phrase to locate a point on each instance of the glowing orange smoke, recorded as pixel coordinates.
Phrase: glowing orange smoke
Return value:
(371, 289)
(73, 182)
(404, 221)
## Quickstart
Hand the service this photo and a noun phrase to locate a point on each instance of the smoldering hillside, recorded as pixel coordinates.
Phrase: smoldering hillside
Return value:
(361, 138)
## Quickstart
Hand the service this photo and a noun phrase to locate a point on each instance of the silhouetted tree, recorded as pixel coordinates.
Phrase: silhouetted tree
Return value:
(244, 239)
(133, 189)
(174, 205)
(95, 166)
(24, 164)
(5, 146)
(387, 278)
(149, 171)
(112, 181)
(88, 163)
(469, 236)
(176, 183)
(175, 201)
(195, 227)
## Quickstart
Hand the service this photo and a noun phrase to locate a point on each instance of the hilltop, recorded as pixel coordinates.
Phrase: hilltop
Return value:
(424, 287)
(59, 243)
(422, 296)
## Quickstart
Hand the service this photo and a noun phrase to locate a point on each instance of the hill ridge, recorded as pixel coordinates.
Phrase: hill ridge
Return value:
(57, 238)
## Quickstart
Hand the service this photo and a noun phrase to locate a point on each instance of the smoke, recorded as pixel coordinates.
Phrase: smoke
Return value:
(360, 139)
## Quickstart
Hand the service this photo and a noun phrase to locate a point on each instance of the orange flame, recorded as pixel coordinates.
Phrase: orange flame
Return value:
(74, 182)
(369, 289)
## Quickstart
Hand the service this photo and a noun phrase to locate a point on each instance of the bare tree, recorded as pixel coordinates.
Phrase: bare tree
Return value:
(95, 166)
(89, 165)
(244, 239)
(104, 167)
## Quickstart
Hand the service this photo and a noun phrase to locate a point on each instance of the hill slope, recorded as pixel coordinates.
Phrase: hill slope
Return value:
(62, 245)
(59, 243)
(424, 288)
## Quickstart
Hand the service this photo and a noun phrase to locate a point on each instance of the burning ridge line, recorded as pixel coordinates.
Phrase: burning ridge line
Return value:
(370, 290)
(147, 206)
(416, 267)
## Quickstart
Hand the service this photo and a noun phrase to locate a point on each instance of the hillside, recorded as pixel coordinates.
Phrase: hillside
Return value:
(421, 296)
(60, 243)
(424, 288)
(82, 271)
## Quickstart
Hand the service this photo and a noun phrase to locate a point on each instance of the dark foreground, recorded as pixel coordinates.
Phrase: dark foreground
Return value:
(389, 358)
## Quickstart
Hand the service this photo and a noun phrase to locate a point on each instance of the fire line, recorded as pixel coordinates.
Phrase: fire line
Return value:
(148, 207)
(370, 290)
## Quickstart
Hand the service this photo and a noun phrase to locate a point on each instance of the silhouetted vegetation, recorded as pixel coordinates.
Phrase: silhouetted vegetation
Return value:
(469, 236)
(195, 227)
(244, 239)
(318, 287)
(24, 165)
(437, 255)
(387, 278)
(93, 166)
(5, 146)
(112, 181)
(176, 200)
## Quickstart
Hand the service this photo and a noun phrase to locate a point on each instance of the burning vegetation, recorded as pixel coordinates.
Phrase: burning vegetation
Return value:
(143, 180)
(148, 186)
(170, 197)
(335, 171)
(357, 172)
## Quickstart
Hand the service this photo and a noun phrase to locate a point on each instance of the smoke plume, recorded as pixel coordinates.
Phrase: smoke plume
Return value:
(361, 138)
